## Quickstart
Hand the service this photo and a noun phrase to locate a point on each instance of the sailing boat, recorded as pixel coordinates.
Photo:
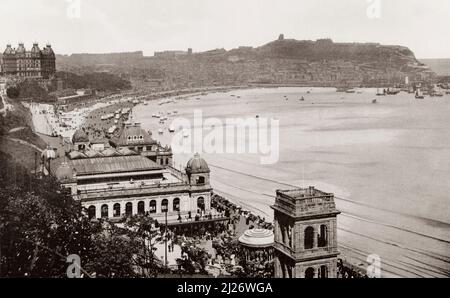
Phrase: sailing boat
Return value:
(379, 93)
(419, 94)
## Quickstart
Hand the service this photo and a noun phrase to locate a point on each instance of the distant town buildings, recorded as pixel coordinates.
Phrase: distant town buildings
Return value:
(305, 234)
(33, 63)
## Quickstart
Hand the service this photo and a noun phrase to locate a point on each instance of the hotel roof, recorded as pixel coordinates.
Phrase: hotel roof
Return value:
(116, 164)
(133, 135)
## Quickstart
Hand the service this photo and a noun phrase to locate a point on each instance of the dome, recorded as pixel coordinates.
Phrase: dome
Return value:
(64, 172)
(257, 238)
(80, 136)
(21, 49)
(197, 165)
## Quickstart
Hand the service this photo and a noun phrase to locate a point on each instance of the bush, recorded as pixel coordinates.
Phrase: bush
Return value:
(13, 92)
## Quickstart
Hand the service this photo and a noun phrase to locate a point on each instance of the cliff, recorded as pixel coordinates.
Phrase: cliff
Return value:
(284, 61)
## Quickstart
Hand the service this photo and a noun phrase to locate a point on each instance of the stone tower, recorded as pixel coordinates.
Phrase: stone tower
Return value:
(305, 234)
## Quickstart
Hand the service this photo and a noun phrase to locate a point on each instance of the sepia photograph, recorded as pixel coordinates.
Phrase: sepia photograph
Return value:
(242, 141)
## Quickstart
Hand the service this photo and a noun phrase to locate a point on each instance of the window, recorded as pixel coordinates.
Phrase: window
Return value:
(323, 272)
(176, 204)
(322, 237)
(129, 209)
(141, 208)
(201, 180)
(153, 206)
(309, 273)
(104, 211)
(201, 203)
(91, 212)
(116, 209)
(165, 205)
(309, 237)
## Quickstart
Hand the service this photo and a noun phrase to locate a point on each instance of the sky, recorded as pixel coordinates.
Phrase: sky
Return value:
(102, 26)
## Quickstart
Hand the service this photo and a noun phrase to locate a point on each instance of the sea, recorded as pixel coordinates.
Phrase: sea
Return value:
(385, 158)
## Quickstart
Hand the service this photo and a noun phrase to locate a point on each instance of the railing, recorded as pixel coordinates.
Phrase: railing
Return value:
(139, 189)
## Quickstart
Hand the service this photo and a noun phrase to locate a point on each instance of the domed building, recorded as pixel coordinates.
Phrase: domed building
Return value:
(197, 165)
(197, 172)
(257, 245)
(121, 182)
(80, 140)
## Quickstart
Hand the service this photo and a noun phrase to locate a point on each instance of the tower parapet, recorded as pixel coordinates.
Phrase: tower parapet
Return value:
(305, 233)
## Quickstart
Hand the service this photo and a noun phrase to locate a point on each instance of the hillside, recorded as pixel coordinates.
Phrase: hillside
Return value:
(440, 66)
(284, 61)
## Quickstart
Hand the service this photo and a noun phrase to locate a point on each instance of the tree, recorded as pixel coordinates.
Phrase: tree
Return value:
(41, 225)
(13, 92)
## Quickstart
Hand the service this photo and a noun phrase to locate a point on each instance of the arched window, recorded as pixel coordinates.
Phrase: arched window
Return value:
(141, 208)
(323, 272)
(309, 237)
(153, 206)
(165, 205)
(129, 209)
(201, 203)
(201, 180)
(104, 211)
(309, 273)
(116, 209)
(322, 237)
(91, 212)
(176, 204)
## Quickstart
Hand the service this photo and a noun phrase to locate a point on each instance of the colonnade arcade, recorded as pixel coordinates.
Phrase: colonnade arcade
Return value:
(174, 205)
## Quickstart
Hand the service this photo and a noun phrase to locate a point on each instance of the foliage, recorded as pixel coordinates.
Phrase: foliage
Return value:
(40, 225)
(100, 81)
(13, 92)
(30, 89)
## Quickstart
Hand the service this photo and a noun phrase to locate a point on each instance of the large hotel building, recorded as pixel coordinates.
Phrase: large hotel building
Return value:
(35, 63)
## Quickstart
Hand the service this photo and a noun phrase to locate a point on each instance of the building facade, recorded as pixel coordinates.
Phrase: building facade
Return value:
(112, 182)
(35, 63)
(305, 230)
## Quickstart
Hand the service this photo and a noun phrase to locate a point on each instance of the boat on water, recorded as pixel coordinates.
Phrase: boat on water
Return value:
(419, 94)
(351, 91)
(171, 128)
(185, 133)
(257, 116)
(374, 101)
(381, 92)
(160, 131)
(302, 99)
(392, 91)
